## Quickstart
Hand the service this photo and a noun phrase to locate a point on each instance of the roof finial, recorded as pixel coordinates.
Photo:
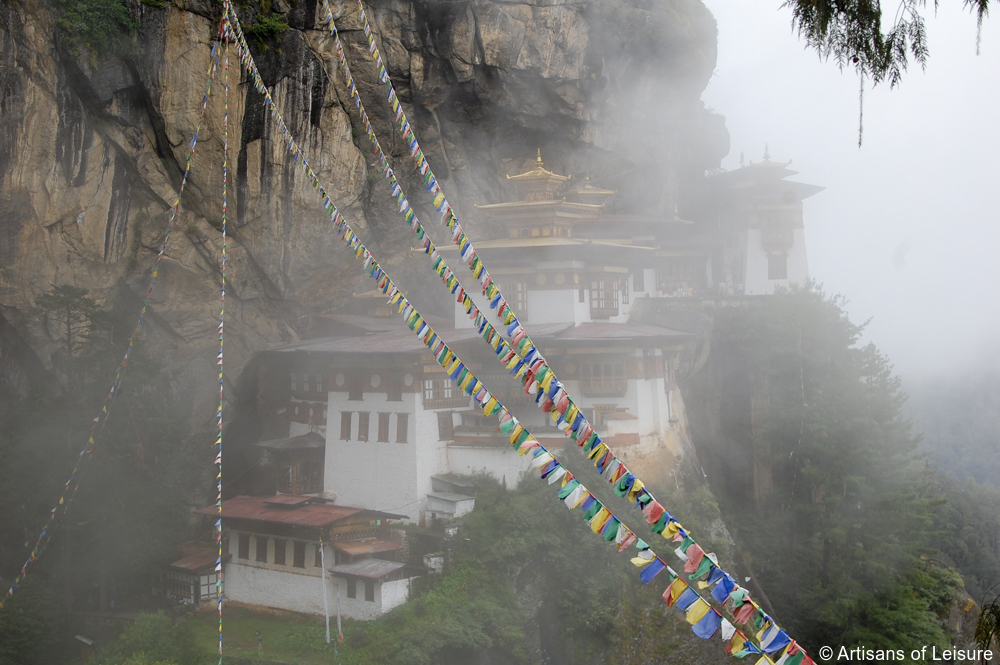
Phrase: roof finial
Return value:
(538, 160)
(767, 154)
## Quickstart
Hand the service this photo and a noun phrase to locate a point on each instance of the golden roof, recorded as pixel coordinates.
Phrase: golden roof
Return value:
(539, 173)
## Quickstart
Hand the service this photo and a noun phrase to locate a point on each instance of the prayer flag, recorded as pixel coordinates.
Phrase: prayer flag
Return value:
(708, 625)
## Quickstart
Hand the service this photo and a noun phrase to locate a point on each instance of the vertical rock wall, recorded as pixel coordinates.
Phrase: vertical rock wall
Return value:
(92, 148)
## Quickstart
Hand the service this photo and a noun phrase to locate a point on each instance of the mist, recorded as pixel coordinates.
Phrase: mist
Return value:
(907, 227)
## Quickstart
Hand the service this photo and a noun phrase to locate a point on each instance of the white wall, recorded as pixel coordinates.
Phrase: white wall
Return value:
(369, 474)
(388, 595)
(298, 592)
(503, 463)
(757, 282)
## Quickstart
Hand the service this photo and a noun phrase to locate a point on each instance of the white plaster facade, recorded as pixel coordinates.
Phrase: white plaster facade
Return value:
(757, 281)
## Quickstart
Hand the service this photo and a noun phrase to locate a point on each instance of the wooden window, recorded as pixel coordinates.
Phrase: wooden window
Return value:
(318, 561)
(604, 378)
(370, 590)
(279, 551)
(345, 425)
(441, 393)
(352, 587)
(402, 425)
(625, 291)
(639, 280)
(383, 427)
(295, 381)
(446, 427)
(363, 426)
(261, 548)
(299, 554)
(777, 266)
(394, 388)
(354, 388)
(601, 410)
(244, 546)
(517, 291)
(603, 298)
(318, 383)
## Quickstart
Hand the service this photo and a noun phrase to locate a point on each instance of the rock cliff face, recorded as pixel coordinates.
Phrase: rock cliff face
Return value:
(92, 148)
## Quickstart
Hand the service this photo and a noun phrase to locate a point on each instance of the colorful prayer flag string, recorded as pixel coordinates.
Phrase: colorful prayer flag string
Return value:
(83, 459)
(537, 378)
(600, 518)
(522, 356)
(222, 321)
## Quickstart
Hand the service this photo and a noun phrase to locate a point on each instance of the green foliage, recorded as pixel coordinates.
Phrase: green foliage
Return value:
(265, 30)
(28, 621)
(839, 536)
(102, 26)
(512, 543)
(852, 33)
(966, 531)
(152, 640)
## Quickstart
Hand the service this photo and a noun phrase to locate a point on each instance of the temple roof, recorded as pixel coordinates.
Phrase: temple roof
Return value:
(539, 173)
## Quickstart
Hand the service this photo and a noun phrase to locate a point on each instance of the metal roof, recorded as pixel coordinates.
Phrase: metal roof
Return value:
(306, 514)
(628, 330)
(307, 440)
(367, 546)
(451, 497)
(397, 341)
(197, 561)
(544, 241)
(371, 568)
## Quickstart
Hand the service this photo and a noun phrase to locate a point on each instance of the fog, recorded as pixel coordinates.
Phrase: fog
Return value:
(907, 227)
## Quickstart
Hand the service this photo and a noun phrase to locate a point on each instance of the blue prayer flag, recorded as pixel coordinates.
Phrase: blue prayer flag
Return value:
(708, 625)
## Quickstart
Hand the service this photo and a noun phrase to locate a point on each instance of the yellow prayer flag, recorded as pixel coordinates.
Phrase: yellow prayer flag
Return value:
(633, 493)
(764, 660)
(600, 519)
(639, 562)
(697, 611)
(676, 589)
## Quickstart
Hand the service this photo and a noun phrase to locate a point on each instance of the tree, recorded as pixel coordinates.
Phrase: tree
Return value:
(850, 31)
(68, 310)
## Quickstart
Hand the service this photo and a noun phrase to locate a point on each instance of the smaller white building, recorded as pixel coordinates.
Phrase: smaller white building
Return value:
(305, 554)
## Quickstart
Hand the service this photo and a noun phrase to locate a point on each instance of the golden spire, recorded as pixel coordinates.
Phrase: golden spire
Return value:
(538, 160)
(767, 153)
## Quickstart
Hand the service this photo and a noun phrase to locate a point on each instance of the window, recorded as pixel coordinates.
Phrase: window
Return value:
(279, 551)
(370, 590)
(625, 291)
(345, 425)
(603, 379)
(601, 410)
(261, 549)
(402, 423)
(244, 546)
(295, 381)
(446, 427)
(394, 388)
(318, 561)
(603, 298)
(362, 426)
(299, 555)
(777, 266)
(521, 299)
(318, 383)
(383, 427)
(354, 390)
(639, 280)
(352, 587)
(441, 393)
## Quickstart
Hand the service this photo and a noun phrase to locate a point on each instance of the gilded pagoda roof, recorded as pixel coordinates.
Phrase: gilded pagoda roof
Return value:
(539, 173)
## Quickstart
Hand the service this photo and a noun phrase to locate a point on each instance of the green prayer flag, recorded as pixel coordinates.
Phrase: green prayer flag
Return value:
(568, 489)
(593, 510)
